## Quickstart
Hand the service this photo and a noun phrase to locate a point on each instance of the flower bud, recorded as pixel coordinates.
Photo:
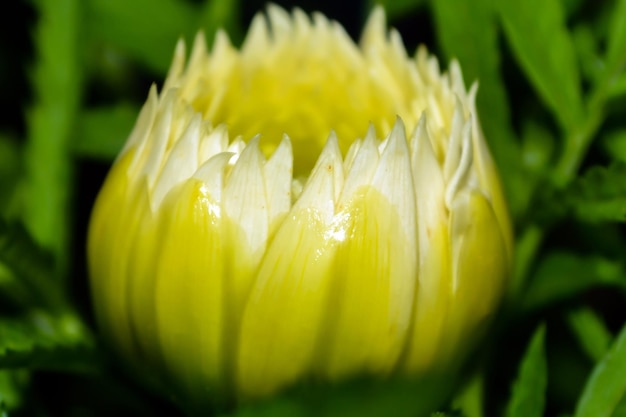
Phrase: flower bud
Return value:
(303, 208)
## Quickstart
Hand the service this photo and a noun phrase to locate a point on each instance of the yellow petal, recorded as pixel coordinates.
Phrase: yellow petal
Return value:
(190, 289)
(479, 268)
(116, 216)
(285, 311)
(434, 276)
(375, 268)
(373, 276)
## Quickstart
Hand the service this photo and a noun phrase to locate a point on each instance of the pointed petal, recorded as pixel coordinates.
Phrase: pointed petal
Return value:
(459, 179)
(277, 174)
(246, 232)
(189, 293)
(375, 269)
(286, 309)
(114, 219)
(367, 321)
(488, 176)
(176, 68)
(181, 161)
(280, 21)
(394, 178)
(257, 39)
(479, 268)
(156, 146)
(143, 125)
(362, 170)
(319, 191)
(212, 174)
(431, 303)
(212, 143)
(374, 32)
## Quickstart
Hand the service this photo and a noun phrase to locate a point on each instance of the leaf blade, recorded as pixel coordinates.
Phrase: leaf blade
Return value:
(563, 275)
(553, 70)
(57, 83)
(43, 341)
(528, 398)
(591, 332)
(606, 386)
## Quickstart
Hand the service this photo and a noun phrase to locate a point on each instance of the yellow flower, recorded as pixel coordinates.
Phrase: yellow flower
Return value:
(365, 232)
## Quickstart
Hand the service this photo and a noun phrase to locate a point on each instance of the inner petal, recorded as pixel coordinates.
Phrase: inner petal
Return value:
(308, 82)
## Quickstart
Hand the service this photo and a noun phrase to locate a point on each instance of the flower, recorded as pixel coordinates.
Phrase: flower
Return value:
(302, 208)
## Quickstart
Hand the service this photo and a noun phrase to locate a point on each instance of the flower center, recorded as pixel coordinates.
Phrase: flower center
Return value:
(305, 79)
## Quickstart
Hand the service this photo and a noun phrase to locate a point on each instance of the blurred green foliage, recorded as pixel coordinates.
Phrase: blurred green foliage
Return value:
(552, 102)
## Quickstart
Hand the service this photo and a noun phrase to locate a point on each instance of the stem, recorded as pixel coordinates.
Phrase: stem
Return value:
(578, 142)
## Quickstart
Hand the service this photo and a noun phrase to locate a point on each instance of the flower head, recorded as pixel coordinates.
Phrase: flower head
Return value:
(301, 208)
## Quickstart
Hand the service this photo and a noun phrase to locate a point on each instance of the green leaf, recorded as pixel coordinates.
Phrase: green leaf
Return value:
(616, 43)
(615, 145)
(42, 341)
(606, 386)
(563, 275)
(618, 88)
(537, 146)
(467, 31)
(600, 194)
(57, 89)
(620, 409)
(591, 64)
(536, 152)
(12, 385)
(26, 271)
(469, 400)
(102, 132)
(529, 390)
(542, 45)
(591, 332)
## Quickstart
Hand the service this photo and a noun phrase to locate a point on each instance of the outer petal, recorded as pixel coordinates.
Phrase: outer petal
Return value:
(490, 180)
(368, 314)
(282, 321)
(190, 290)
(479, 267)
(435, 275)
(374, 272)
(114, 222)
(285, 311)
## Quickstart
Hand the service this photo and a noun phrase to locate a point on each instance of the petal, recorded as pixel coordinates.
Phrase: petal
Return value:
(246, 232)
(181, 161)
(489, 178)
(277, 174)
(189, 290)
(115, 220)
(432, 298)
(283, 317)
(375, 269)
(479, 268)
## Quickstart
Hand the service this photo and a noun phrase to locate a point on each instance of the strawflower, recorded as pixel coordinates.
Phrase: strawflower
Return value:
(303, 208)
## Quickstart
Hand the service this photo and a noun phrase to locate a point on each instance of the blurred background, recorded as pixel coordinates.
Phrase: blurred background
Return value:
(552, 103)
